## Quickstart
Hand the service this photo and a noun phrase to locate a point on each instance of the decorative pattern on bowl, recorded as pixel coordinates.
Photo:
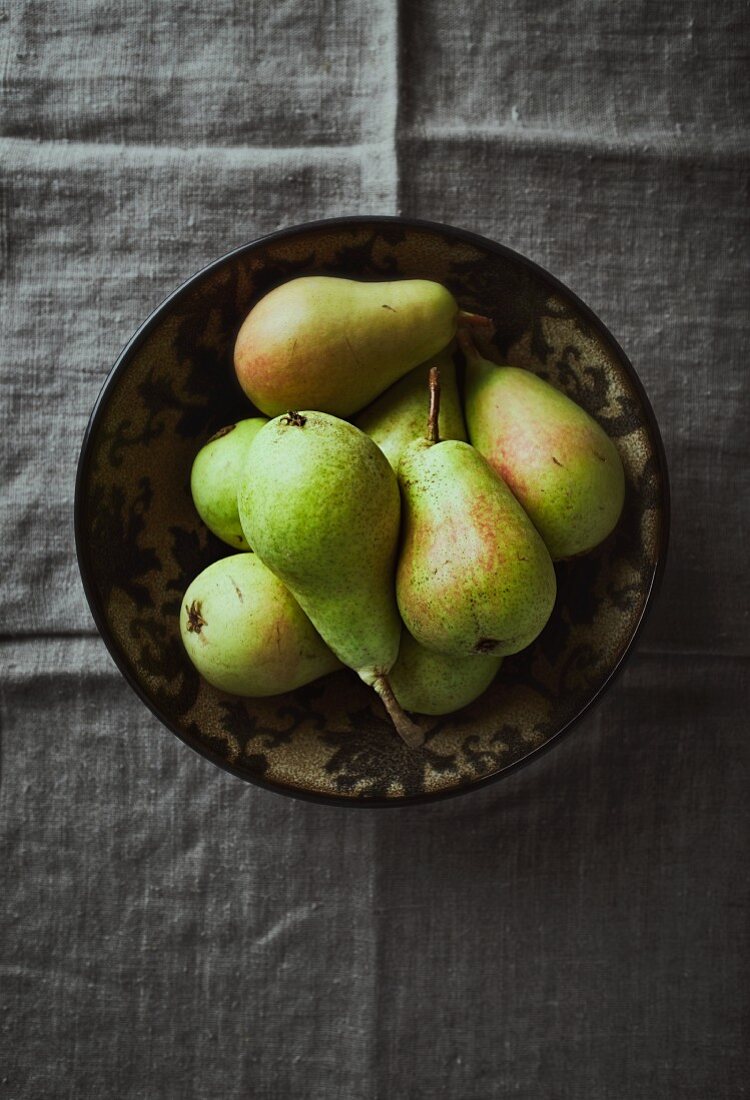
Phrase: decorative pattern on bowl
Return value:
(140, 542)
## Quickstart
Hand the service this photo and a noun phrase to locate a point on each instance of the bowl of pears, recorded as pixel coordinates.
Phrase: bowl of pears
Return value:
(371, 510)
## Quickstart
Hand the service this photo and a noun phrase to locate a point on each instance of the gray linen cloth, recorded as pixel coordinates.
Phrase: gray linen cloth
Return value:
(579, 930)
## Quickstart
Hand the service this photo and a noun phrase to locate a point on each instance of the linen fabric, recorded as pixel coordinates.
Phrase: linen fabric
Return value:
(578, 930)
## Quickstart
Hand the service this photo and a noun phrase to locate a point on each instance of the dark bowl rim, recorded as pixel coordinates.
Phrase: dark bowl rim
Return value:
(134, 343)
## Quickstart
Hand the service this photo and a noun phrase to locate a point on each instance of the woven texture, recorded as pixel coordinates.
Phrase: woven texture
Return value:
(578, 931)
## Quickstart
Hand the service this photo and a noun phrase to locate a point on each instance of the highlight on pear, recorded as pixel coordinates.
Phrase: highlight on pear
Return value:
(399, 524)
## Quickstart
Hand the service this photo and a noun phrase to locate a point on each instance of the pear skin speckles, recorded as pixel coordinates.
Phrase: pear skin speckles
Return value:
(426, 682)
(335, 344)
(474, 576)
(322, 509)
(245, 633)
(559, 463)
(398, 417)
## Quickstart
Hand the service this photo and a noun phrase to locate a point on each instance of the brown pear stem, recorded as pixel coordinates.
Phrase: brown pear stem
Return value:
(467, 345)
(474, 320)
(433, 417)
(408, 731)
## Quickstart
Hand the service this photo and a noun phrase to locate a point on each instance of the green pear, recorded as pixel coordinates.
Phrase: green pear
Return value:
(426, 682)
(214, 476)
(397, 417)
(320, 505)
(474, 575)
(246, 634)
(334, 344)
(561, 465)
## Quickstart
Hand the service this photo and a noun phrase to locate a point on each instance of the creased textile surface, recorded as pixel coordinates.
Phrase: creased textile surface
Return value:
(578, 931)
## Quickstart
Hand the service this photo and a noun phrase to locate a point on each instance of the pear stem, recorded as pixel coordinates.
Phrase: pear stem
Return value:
(473, 320)
(433, 417)
(467, 345)
(408, 731)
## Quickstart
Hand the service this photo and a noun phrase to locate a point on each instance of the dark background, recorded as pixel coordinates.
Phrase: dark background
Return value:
(577, 931)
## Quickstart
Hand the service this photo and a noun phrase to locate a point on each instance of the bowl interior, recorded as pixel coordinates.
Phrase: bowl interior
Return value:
(141, 542)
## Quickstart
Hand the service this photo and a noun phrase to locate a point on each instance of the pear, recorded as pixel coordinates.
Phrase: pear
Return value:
(320, 505)
(431, 683)
(214, 476)
(474, 575)
(561, 465)
(334, 344)
(397, 417)
(246, 634)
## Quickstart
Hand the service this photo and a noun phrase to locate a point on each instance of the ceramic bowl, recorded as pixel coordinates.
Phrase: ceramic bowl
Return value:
(140, 542)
